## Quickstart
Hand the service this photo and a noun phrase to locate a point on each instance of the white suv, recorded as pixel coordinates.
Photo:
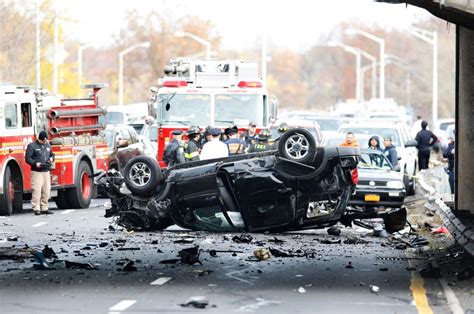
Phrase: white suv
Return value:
(407, 153)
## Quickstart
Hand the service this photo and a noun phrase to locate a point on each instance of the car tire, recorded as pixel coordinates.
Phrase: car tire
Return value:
(80, 196)
(411, 187)
(297, 145)
(142, 175)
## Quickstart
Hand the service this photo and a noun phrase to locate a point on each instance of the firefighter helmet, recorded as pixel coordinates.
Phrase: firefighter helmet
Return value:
(193, 130)
(264, 135)
(283, 127)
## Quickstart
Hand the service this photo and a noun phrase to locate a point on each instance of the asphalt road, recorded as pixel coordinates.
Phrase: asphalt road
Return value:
(322, 277)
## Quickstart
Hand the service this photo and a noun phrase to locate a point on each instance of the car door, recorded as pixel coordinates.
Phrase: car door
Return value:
(135, 146)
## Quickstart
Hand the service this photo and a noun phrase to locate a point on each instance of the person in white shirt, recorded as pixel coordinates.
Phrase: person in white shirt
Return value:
(215, 148)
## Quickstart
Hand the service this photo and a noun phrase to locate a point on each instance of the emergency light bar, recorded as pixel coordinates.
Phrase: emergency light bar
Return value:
(175, 84)
(255, 84)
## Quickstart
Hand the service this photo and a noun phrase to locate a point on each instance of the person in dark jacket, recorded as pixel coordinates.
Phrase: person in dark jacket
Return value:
(374, 143)
(174, 151)
(390, 151)
(425, 139)
(449, 154)
(249, 137)
(40, 157)
(234, 143)
(193, 148)
(262, 144)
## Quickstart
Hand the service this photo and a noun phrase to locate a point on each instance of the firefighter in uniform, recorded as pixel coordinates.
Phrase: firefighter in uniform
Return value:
(262, 144)
(40, 157)
(174, 151)
(234, 143)
(193, 148)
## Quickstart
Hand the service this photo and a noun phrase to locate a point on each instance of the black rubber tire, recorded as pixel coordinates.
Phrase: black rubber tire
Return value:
(76, 199)
(147, 170)
(305, 136)
(411, 187)
(6, 203)
(62, 199)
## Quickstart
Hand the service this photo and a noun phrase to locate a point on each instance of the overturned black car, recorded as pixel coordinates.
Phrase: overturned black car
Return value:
(298, 186)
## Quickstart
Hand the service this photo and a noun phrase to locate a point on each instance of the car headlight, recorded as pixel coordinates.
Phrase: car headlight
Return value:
(395, 185)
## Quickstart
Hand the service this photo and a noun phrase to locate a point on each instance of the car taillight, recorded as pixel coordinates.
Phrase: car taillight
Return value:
(255, 84)
(355, 176)
(175, 84)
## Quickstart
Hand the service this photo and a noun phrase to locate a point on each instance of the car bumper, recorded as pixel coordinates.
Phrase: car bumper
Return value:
(386, 197)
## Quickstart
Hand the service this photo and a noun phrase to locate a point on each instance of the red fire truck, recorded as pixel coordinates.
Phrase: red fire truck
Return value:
(73, 128)
(209, 93)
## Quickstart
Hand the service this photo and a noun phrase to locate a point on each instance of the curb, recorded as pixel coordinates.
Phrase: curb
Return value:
(463, 234)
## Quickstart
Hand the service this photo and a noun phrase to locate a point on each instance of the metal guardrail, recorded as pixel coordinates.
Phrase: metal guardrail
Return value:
(461, 231)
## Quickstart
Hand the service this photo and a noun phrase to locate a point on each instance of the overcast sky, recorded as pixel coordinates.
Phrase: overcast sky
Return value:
(291, 24)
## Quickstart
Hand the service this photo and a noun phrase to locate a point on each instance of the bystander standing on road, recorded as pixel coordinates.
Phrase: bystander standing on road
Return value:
(374, 143)
(425, 139)
(390, 151)
(174, 151)
(416, 126)
(214, 148)
(40, 157)
(449, 155)
(234, 143)
(350, 140)
(191, 152)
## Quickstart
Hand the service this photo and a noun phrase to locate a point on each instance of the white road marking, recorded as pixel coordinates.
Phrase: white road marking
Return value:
(67, 211)
(453, 302)
(39, 224)
(160, 281)
(123, 305)
(256, 306)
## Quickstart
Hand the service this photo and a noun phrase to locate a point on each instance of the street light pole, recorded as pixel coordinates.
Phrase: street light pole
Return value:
(55, 52)
(374, 73)
(79, 62)
(38, 47)
(381, 42)
(200, 40)
(357, 53)
(120, 78)
(431, 38)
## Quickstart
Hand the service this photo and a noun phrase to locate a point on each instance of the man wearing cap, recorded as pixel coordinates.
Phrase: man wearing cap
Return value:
(191, 153)
(249, 136)
(40, 156)
(214, 148)
(390, 151)
(234, 143)
(174, 151)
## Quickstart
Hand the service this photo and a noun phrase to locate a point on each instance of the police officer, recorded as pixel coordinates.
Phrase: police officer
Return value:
(234, 143)
(425, 139)
(262, 144)
(174, 151)
(193, 148)
(449, 154)
(40, 157)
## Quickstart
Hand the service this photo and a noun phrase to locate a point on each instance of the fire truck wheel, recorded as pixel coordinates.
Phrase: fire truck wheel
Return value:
(10, 200)
(142, 175)
(297, 145)
(62, 200)
(80, 196)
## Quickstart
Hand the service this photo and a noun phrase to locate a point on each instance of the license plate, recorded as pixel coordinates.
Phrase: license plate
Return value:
(372, 198)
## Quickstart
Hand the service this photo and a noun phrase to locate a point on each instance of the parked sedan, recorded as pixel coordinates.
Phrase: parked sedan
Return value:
(269, 191)
(379, 184)
(123, 145)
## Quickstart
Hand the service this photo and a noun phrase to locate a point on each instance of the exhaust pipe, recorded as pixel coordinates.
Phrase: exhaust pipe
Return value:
(54, 114)
(95, 127)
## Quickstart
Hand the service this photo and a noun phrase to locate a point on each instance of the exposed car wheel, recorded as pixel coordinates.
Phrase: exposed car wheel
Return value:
(142, 174)
(411, 187)
(80, 196)
(62, 200)
(297, 145)
(12, 198)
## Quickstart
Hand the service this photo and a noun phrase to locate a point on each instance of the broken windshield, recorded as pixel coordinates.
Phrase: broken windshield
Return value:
(230, 107)
(192, 109)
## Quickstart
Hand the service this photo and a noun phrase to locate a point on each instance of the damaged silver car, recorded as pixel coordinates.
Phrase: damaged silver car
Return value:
(298, 186)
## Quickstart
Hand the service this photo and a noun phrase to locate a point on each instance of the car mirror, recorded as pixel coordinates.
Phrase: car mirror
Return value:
(396, 168)
(411, 143)
(122, 143)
